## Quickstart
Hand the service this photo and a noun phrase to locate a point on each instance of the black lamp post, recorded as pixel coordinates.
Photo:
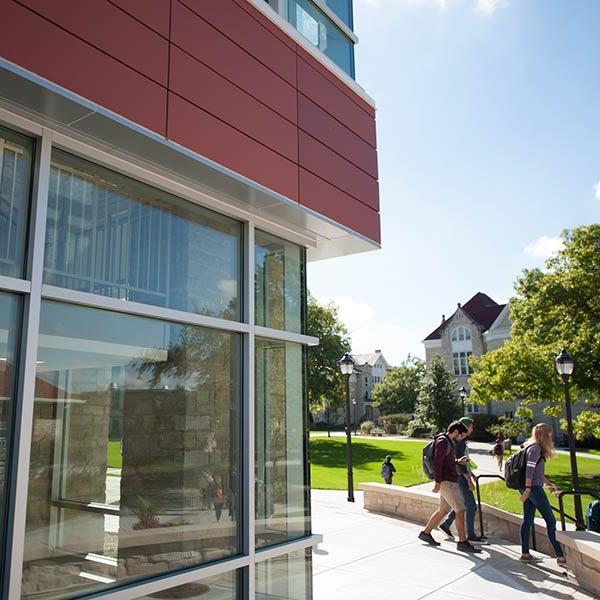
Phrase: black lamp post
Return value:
(463, 396)
(346, 367)
(565, 365)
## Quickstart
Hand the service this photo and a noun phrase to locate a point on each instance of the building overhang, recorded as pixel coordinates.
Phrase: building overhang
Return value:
(47, 104)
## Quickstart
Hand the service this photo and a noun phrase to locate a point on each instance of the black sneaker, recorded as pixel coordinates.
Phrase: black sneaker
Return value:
(428, 538)
(476, 538)
(467, 547)
(446, 530)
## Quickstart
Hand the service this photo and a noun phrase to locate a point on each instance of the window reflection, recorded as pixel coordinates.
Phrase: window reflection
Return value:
(15, 182)
(8, 331)
(321, 31)
(134, 457)
(219, 587)
(110, 235)
(286, 577)
(281, 481)
(278, 283)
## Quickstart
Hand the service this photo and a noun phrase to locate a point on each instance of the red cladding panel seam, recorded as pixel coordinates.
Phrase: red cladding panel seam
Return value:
(198, 38)
(321, 161)
(193, 81)
(322, 126)
(111, 30)
(311, 60)
(246, 32)
(323, 198)
(153, 13)
(64, 59)
(323, 92)
(196, 129)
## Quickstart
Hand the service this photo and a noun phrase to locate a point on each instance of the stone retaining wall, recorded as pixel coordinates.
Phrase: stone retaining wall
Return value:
(583, 557)
(417, 505)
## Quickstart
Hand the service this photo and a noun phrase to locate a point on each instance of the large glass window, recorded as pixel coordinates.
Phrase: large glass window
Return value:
(8, 341)
(135, 454)
(278, 283)
(110, 235)
(15, 191)
(281, 478)
(286, 577)
(320, 31)
(343, 9)
(219, 587)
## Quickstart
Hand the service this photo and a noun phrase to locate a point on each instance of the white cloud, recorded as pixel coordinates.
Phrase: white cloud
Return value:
(487, 7)
(544, 247)
(597, 190)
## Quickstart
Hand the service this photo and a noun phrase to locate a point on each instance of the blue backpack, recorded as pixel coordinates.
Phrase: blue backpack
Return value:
(592, 517)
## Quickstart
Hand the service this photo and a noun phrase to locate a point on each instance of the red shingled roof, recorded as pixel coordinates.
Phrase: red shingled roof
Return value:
(481, 308)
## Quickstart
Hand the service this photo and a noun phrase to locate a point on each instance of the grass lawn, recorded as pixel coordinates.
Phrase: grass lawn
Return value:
(558, 471)
(328, 461)
(114, 458)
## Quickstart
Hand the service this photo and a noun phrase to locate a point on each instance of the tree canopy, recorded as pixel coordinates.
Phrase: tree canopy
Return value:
(553, 308)
(325, 383)
(398, 391)
(438, 402)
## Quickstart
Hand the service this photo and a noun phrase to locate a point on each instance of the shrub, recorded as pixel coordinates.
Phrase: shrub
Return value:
(481, 423)
(419, 429)
(394, 423)
(366, 427)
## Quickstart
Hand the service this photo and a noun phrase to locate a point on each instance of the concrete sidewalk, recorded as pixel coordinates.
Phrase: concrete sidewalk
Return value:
(367, 556)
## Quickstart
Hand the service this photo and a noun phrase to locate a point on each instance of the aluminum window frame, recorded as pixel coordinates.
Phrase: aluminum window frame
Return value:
(32, 291)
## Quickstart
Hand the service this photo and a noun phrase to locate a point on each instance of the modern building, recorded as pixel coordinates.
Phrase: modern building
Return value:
(167, 168)
(476, 327)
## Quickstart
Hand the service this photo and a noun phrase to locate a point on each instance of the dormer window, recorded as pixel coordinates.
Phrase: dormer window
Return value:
(461, 334)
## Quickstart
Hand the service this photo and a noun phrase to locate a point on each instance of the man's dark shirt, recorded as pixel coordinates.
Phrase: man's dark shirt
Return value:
(444, 460)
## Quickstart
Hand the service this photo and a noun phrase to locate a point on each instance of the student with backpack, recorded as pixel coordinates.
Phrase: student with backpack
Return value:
(498, 451)
(388, 470)
(446, 484)
(529, 465)
(466, 484)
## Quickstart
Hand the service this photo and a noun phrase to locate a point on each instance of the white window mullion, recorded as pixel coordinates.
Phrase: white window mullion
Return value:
(27, 372)
(248, 434)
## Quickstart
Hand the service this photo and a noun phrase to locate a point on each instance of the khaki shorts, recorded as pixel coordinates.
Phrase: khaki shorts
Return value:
(451, 497)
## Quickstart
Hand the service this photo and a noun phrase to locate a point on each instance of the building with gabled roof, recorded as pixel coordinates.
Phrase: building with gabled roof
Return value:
(476, 327)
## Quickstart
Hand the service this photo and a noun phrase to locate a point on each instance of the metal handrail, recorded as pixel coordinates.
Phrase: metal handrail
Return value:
(578, 492)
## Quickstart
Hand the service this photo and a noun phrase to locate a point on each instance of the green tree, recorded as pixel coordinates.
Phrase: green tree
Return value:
(398, 391)
(438, 402)
(552, 308)
(325, 382)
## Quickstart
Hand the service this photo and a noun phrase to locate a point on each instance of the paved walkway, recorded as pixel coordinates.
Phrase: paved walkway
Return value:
(366, 556)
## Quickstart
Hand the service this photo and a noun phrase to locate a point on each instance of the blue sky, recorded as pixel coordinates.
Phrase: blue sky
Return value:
(488, 134)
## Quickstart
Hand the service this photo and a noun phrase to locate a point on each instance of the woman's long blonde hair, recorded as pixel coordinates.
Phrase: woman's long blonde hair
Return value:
(541, 434)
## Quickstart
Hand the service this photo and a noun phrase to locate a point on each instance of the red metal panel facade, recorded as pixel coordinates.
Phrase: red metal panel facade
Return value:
(216, 77)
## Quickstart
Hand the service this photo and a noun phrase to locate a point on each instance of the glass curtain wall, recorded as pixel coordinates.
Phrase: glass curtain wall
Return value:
(9, 323)
(322, 33)
(134, 457)
(281, 479)
(286, 577)
(278, 283)
(135, 469)
(15, 190)
(108, 234)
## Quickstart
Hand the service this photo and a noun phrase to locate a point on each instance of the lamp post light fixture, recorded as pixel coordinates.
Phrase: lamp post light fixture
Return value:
(463, 396)
(347, 367)
(565, 366)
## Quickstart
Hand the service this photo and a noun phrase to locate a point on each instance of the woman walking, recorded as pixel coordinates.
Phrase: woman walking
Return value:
(539, 449)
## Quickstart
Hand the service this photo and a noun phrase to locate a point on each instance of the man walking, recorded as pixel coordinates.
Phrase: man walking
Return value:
(466, 483)
(446, 484)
